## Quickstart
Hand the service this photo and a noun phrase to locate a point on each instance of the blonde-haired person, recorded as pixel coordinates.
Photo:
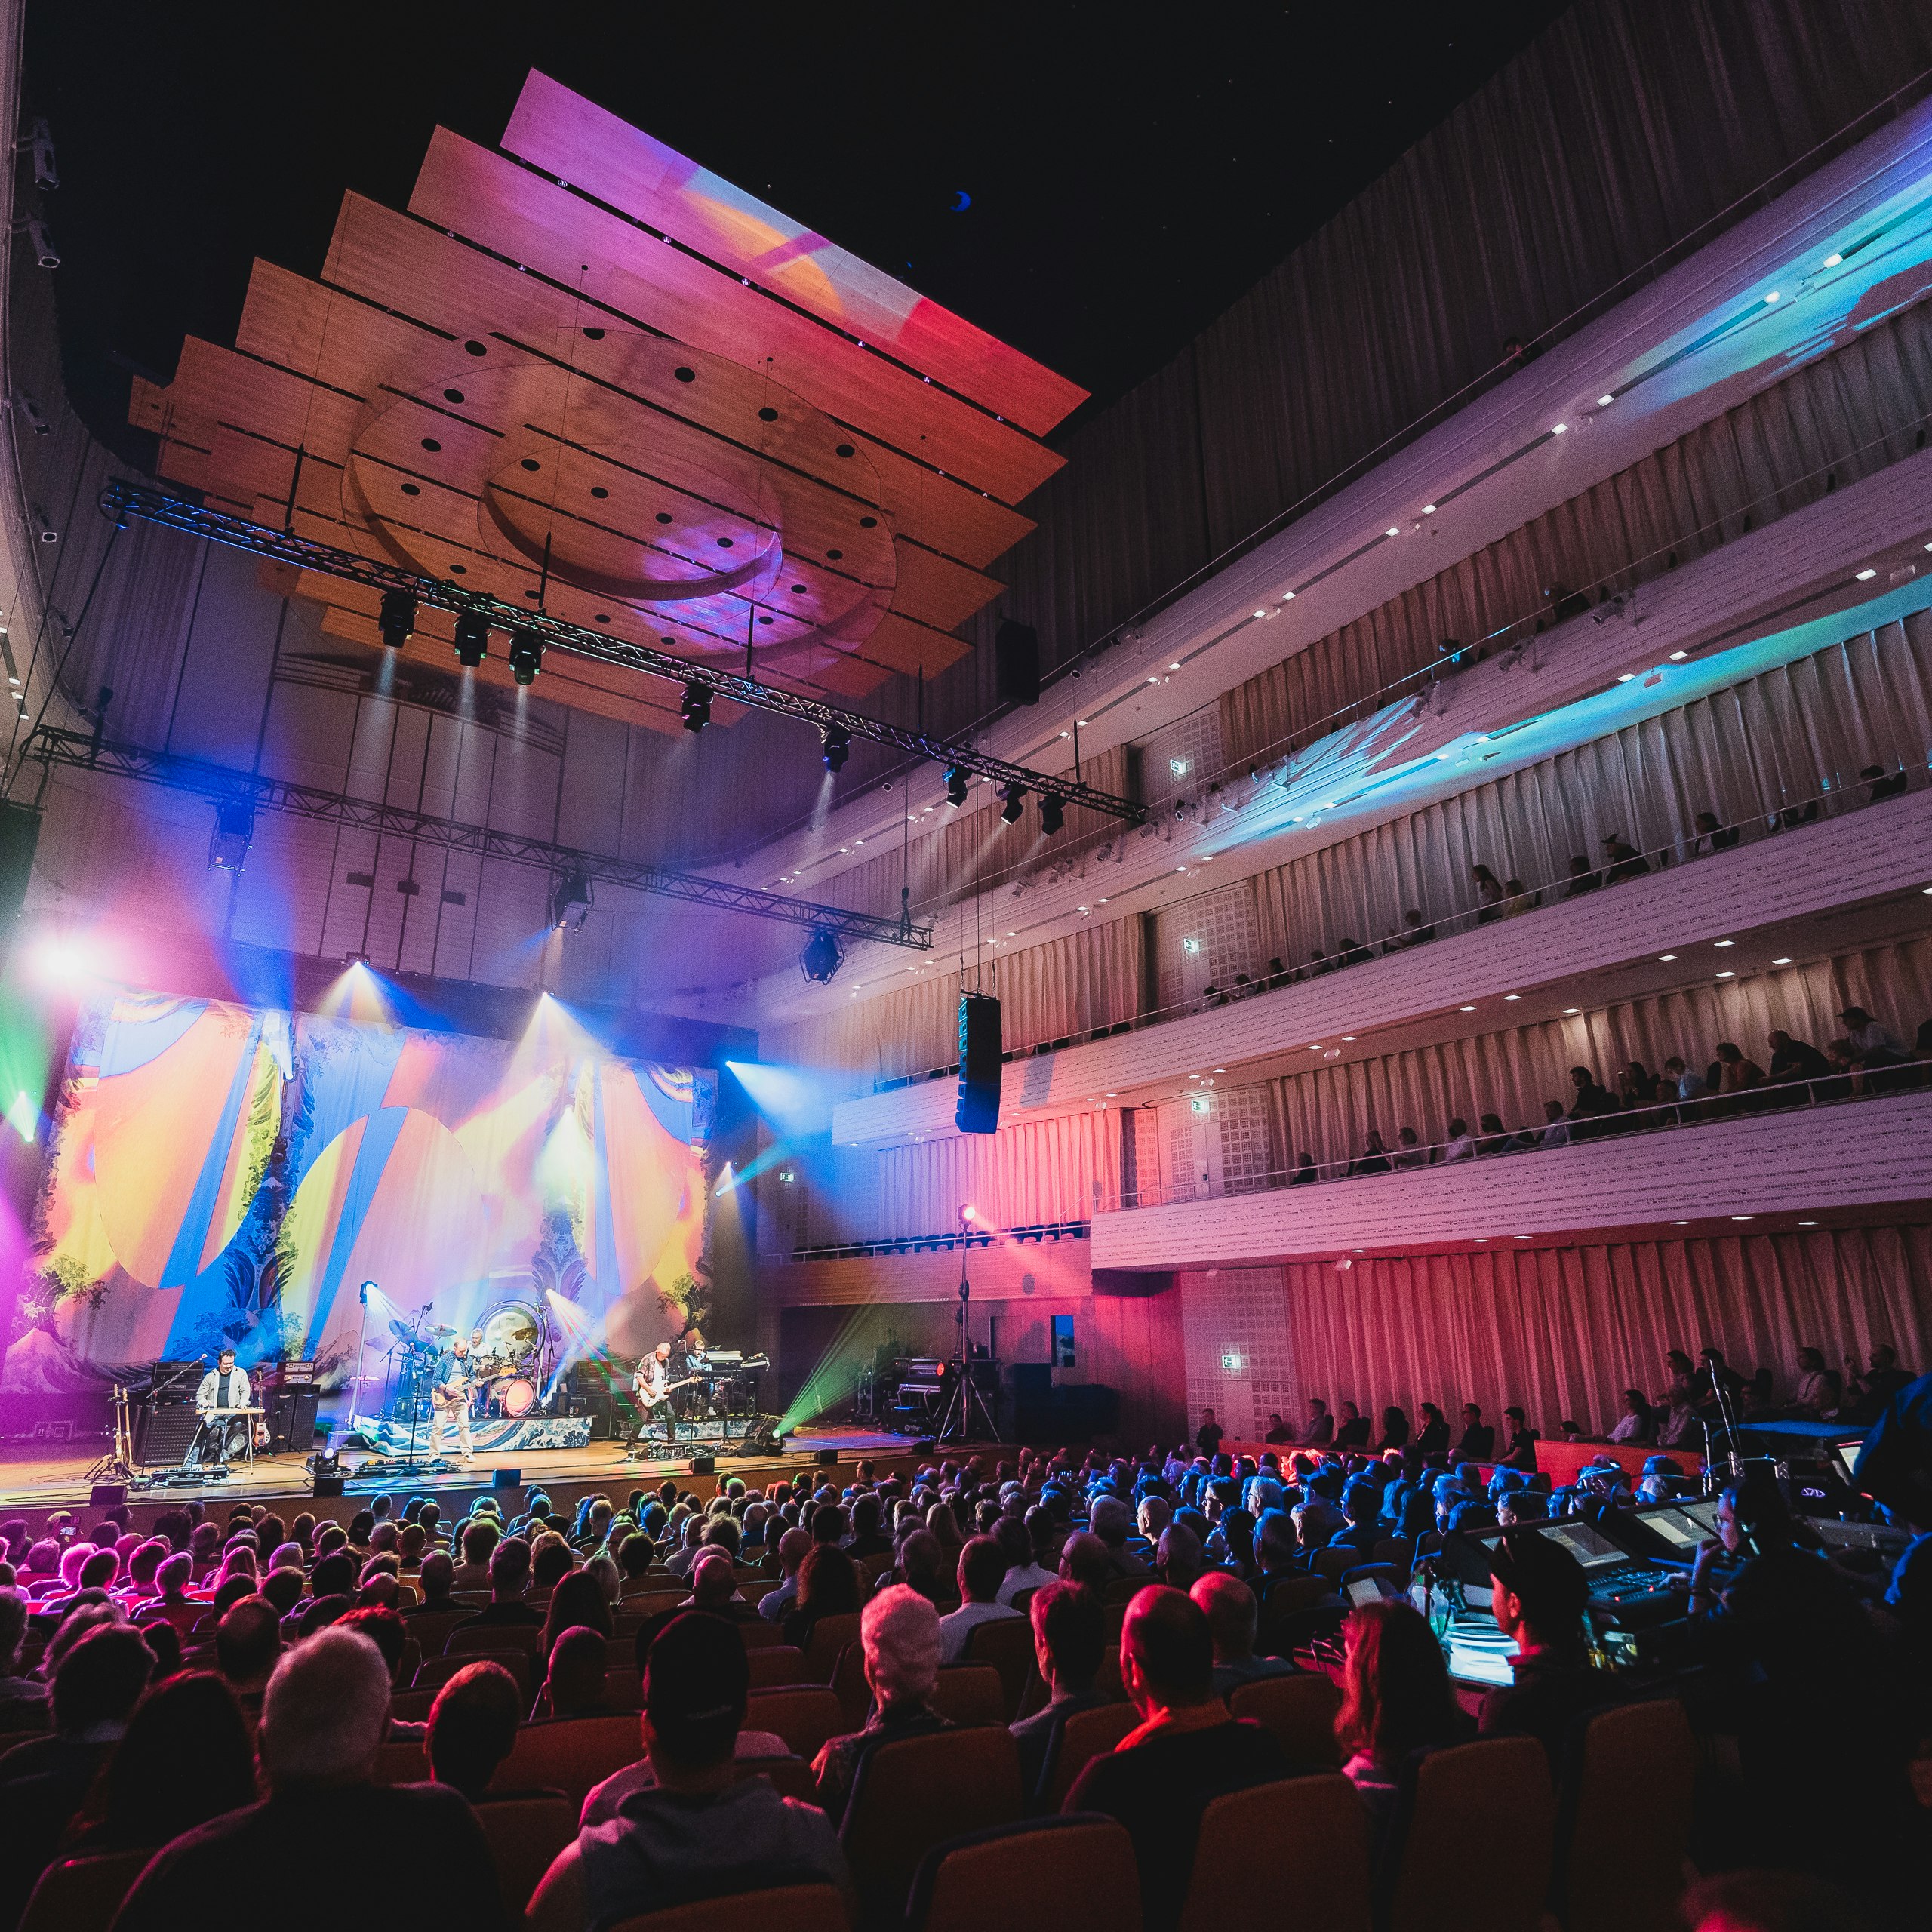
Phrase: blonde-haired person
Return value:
(899, 1634)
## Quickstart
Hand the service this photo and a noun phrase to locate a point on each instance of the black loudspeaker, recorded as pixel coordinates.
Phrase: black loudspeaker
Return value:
(703, 1465)
(977, 1109)
(328, 1486)
(107, 1496)
(828, 1459)
(506, 1479)
(1017, 663)
(163, 1431)
(291, 1420)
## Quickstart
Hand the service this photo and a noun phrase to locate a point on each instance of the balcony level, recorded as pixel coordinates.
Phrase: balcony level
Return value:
(1859, 877)
(1798, 1167)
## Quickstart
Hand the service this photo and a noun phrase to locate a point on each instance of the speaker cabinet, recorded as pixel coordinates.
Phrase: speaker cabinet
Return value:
(163, 1431)
(1017, 663)
(977, 1109)
(291, 1420)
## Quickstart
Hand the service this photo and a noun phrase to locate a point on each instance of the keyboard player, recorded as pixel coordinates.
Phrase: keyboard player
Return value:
(225, 1386)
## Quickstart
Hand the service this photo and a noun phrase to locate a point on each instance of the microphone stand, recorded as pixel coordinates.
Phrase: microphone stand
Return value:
(1730, 1427)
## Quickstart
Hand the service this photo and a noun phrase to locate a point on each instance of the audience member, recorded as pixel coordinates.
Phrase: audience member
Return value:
(1396, 1698)
(1068, 1640)
(899, 1636)
(187, 1756)
(1477, 1444)
(1233, 1617)
(472, 1727)
(828, 1586)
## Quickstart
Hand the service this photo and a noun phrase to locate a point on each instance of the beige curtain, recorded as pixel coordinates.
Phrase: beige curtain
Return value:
(1327, 1113)
(1562, 1331)
(1813, 723)
(1021, 1177)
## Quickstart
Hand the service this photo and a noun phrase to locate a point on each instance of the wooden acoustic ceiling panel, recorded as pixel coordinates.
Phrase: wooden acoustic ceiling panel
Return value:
(541, 398)
(574, 139)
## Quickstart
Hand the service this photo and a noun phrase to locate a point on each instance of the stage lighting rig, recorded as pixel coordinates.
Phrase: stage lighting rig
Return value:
(472, 638)
(570, 902)
(696, 709)
(836, 741)
(1052, 814)
(398, 618)
(526, 655)
(1015, 796)
(234, 827)
(956, 782)
(821, 956)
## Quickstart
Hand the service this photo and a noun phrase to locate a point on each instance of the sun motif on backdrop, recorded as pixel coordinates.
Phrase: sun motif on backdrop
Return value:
(216, 1173)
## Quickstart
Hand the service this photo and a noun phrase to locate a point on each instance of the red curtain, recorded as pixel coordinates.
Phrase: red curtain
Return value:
(1562, 1331)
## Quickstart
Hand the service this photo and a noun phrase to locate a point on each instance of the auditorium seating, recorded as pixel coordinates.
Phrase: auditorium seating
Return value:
(1007, 1644)
(1047, 1875)
(1076, 1742)
(570, 1755)
(795, 1907)
(804, 1714)
(1623, 1828)
(1469, 1845)
(970, 1693)
(1299, 1710)
(437, 1671)
(776, 1663)
(1315, 1833)
(486, 1639)
(914, 1793)
(82, 1894)
(830, 1634)
(524, 1835)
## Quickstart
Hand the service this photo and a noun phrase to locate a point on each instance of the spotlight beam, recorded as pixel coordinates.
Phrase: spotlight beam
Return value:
(49, 746)
(120, 499)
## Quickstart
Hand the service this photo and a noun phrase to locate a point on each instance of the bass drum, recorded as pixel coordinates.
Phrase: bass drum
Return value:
(512, 1332)
(518, 1395)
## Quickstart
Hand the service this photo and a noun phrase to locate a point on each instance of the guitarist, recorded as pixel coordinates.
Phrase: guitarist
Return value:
(450, 1398)
(651, 1386)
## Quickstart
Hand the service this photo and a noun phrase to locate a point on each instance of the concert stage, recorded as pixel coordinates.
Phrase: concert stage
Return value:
(32, 1485)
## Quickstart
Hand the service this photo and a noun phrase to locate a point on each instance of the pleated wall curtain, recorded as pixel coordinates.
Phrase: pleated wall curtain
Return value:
(1838, 418)
(1564, 1331)
(1021, 1177)
(1815, 722)
(1327, 1112)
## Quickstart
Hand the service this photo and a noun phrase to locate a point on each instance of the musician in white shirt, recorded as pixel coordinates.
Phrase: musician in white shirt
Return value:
(224, 1387)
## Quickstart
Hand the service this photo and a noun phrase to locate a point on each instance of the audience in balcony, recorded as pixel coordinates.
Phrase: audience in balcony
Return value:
(1351, 1431)
(1432, 1439)
(1581, 878)
(1625, 861)
(1477, 1443)
(1490, 895)
(1712, 837)
(1519, 1450)
(1794, 1061)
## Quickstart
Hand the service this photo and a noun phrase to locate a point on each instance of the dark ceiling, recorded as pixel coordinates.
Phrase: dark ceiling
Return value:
(1128, 171)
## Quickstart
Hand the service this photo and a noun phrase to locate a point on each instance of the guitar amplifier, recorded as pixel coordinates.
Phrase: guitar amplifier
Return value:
(292, 1419)
(163, 1431)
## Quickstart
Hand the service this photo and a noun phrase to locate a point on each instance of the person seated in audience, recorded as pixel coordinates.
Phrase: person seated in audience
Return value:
(1519, 1450)
(322, 1720)
(1521, 1506)
(1493, 1137)
(1636, 1086)
(1319, 1430)
(480, 1538)
(188, 1756)
(1738, 1075)
(1683, 1085)
(1518, 898)
(575, 1681)
(1867, 1391)
(868, 1538)
(1624, 860)
(509, 1579)
(899, 1637)
(982, 1570)
(1396, 1699)
(828, 1586)
(1110, 1520)
(1794, 1061)
(1394, 1430)
(1489, 894)
(1820, 1390)
(1678, 1426)
(472, 1726)
(1459, 1145)
(1068, 1638)
(435, 1580)
(1373, 1158)
(1410, 1152)
(1028, 1547)
(714, 1589)
(1433, 1437)
(579, 1599)
(1306, 1174)
(248, 1644)
(1873, 1047)
(1538, 1594)
(928, 1565)
(1581, 878)
(1186, 1752)
(1362, 1507)
(1477, 1444)
(1233, 1616)
(1278, 1431)
(1881, 784)
(1638, 1423)
(1180, 1557)
(1352, 953)
(694, 1832)
(1416, 929)
(1712, 836)
(97, 1683)
(1351, 1430)
(1589, 1100)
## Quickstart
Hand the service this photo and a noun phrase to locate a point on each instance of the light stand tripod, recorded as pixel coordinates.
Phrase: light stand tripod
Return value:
(956, 1425)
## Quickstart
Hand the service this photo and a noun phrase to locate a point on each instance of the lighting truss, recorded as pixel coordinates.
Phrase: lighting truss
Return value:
(224, 787)
(121, 500)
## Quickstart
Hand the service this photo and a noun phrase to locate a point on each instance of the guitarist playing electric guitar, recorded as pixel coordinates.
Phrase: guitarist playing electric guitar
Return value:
(450, 1397)
(652, 1388)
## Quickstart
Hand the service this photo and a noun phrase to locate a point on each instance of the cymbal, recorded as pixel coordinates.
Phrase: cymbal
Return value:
(401, 1331)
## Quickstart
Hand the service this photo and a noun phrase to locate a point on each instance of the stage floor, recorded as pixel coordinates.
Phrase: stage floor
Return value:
(37, 1482)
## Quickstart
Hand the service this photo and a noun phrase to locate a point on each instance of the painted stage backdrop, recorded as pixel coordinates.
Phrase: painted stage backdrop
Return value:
(217, 1174)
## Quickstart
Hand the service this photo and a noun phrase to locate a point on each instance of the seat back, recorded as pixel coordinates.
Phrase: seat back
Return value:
(467, 1638)
(1394, 1550)
(970, 1693)
(1455, 1810)
(804, 1714)
(915, 1792)
(850, 1688)
(437, 1672)
(1007, 1644)
(524, 1835)
(570, 1755)
(1299, 1710)
(790, 1777)
(830, 1634)
(82, 1894)
(1624, 1824)
(796, 1908)
(776, 1663)
(1332, 1562)
(1084, 1736)
(1047, 1875)
(1314, 1827)
(404, 1761)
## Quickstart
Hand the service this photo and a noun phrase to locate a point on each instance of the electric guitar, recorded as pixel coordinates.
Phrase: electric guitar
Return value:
(645, 1400)
(445, 1397)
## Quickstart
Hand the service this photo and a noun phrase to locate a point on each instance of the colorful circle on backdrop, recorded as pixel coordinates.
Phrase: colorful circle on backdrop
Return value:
(393, 1199)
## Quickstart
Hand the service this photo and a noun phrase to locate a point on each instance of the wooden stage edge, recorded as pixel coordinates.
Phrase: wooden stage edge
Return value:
(33, 1486)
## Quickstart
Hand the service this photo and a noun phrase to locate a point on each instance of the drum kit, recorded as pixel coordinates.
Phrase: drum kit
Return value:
(509, 1361)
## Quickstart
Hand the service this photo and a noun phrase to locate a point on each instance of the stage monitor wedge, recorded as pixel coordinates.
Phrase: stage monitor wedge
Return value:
(977, 1109)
